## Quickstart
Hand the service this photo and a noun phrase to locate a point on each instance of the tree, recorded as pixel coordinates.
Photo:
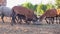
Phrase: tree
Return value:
(34, 7)
(49, 6)
(43, 7)
(28, 5)
(58, 3)
(39, 10)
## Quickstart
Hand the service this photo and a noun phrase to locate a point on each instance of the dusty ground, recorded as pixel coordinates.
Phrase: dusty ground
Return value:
(6, 28)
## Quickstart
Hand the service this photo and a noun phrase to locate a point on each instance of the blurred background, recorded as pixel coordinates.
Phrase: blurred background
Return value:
(39, 6)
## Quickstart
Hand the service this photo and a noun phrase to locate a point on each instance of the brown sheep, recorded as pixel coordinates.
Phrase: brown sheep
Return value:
(51, 13)
(28, 13)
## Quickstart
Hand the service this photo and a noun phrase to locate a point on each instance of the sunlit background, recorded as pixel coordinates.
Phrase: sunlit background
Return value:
(11, 3)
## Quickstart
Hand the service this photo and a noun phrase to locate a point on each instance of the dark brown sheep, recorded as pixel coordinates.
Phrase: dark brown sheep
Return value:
(28, 13)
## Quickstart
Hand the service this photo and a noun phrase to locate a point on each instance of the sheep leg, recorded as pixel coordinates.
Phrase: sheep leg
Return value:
(2, 17)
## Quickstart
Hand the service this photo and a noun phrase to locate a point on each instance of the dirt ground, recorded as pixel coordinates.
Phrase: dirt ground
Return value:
(6, 28)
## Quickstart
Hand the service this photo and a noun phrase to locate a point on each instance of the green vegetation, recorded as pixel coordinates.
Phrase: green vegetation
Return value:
(58, 3)
(41, 8)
